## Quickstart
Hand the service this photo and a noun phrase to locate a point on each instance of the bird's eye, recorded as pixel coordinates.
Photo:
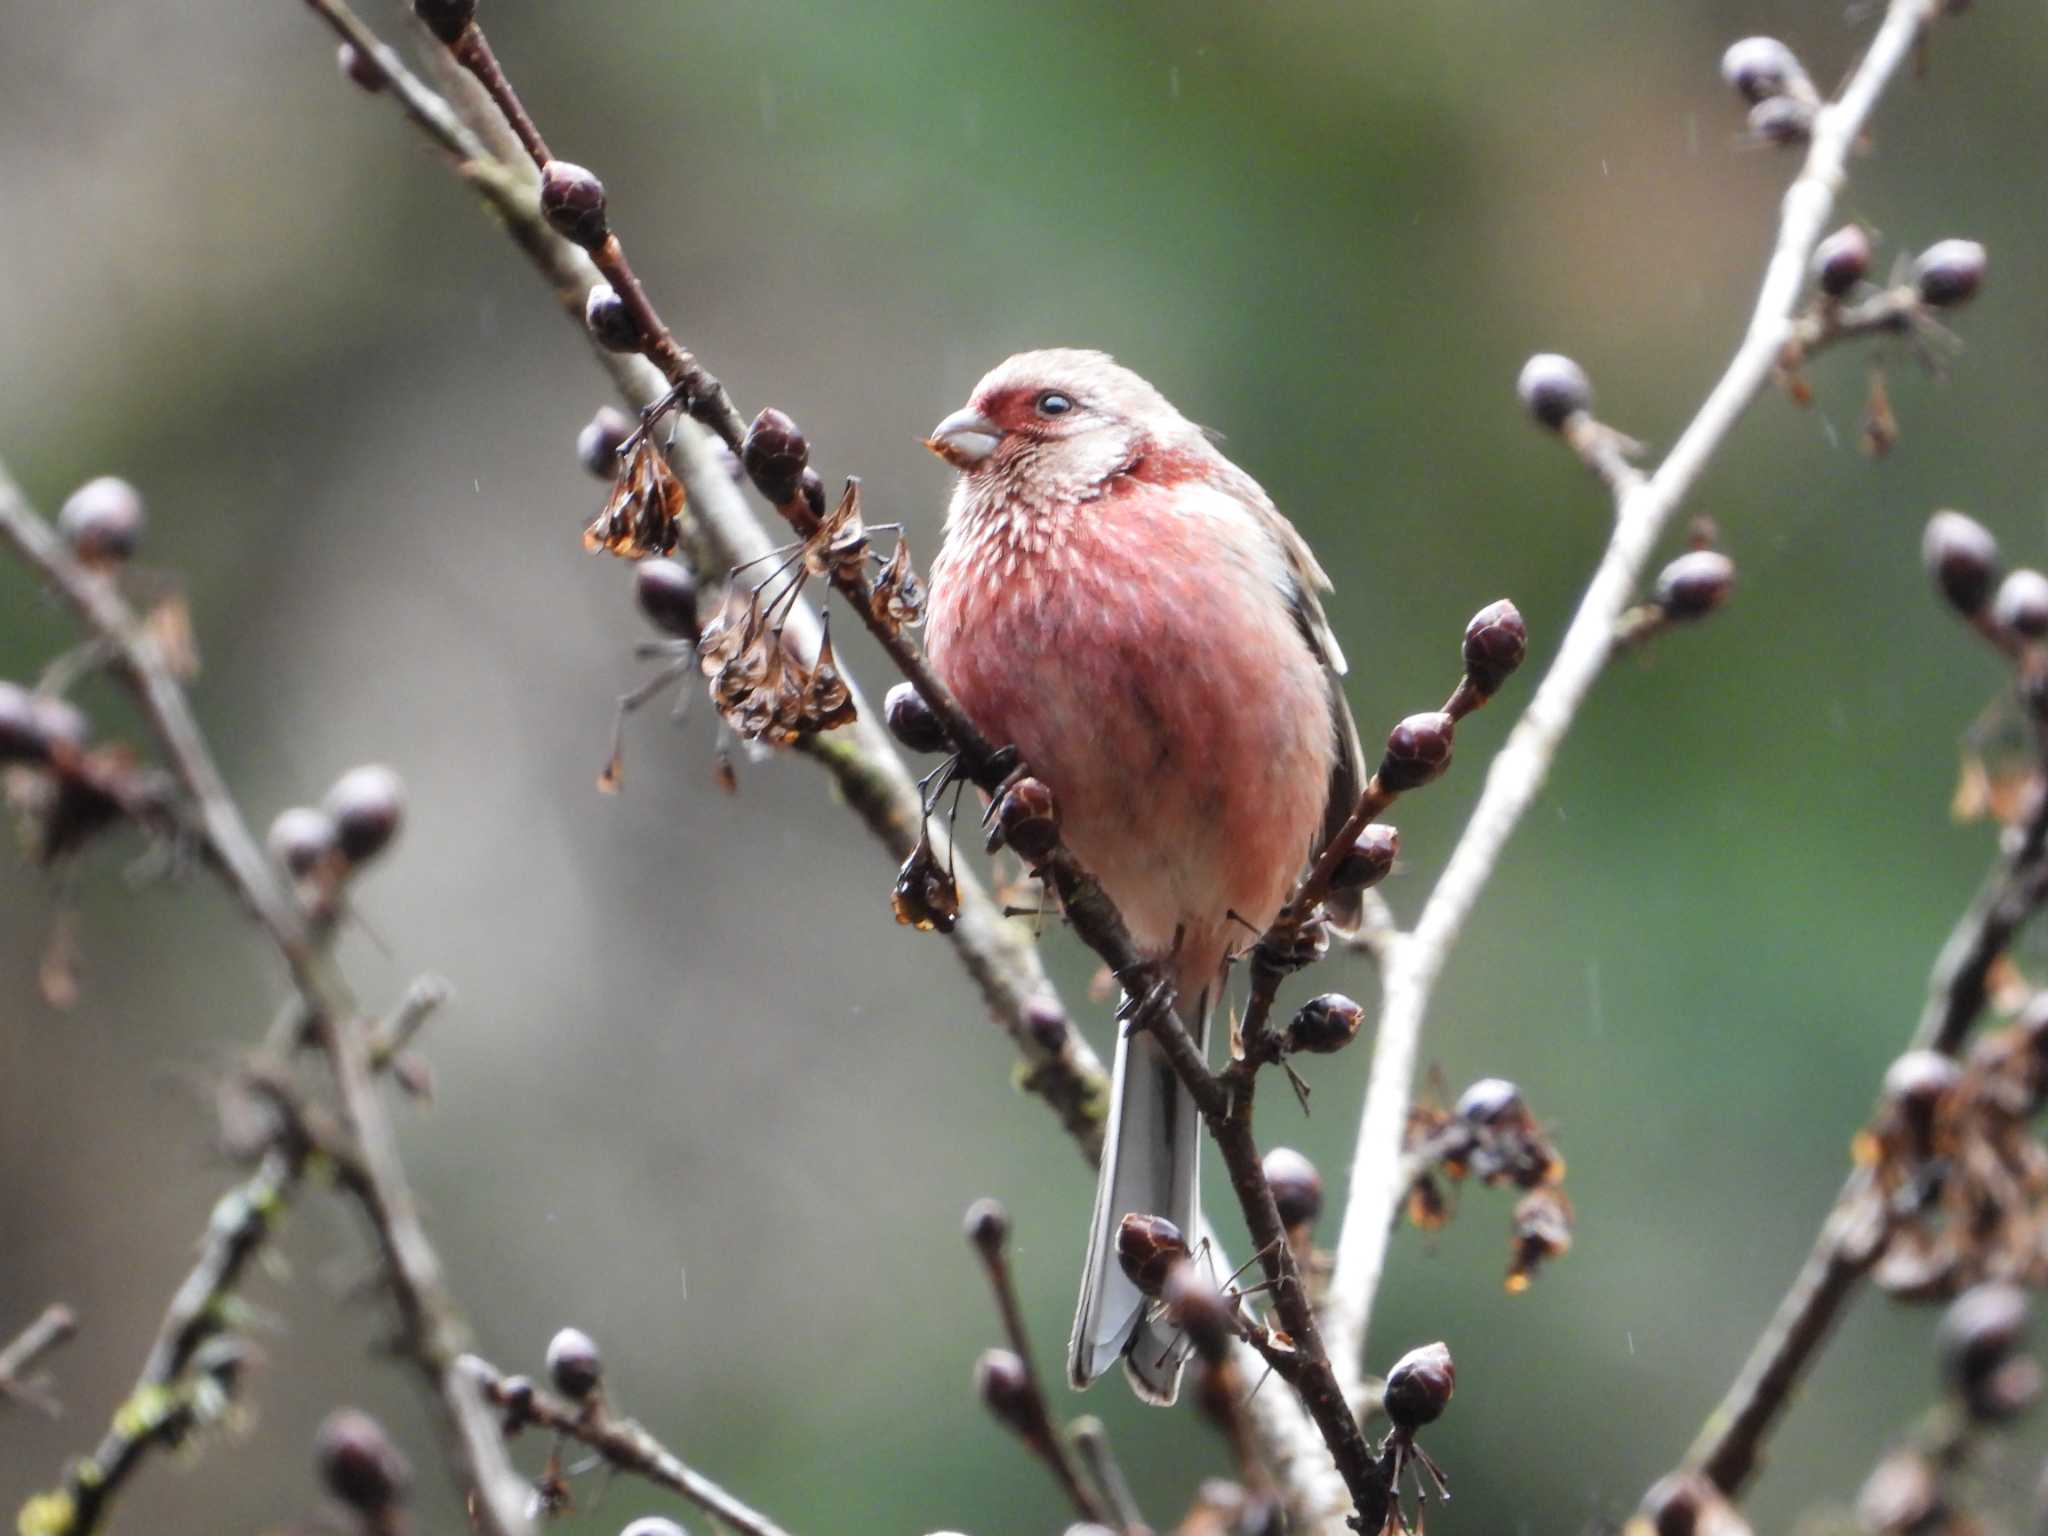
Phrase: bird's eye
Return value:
(1053, 403)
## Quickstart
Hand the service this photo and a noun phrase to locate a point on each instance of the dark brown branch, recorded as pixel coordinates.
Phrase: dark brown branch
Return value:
(624, 1444)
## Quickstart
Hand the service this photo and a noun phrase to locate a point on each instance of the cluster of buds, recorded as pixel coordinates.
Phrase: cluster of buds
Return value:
(1963, 1180)
(1491, 1136)
(363, 1471)
(323, 848)
(1782, 98)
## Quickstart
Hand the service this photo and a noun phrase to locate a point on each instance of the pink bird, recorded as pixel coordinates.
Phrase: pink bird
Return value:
(1125, 606)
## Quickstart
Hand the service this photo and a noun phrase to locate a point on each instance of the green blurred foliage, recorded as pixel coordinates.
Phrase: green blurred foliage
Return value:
(698, 1094)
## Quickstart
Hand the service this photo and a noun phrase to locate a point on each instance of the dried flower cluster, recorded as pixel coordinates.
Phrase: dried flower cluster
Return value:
(1491, 1136)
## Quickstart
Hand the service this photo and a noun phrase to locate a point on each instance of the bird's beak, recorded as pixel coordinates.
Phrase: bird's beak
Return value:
(965, 439)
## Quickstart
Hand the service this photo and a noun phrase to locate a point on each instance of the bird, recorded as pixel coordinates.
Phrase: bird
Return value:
(1126, 607)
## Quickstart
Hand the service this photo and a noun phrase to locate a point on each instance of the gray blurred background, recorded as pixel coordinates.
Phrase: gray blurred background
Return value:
(698, 1093)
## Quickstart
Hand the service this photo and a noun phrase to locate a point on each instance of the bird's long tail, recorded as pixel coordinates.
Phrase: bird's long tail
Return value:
(1151, 1162)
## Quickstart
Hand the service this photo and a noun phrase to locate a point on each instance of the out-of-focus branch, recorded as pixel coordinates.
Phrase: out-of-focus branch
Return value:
(53, 1326)
(435, 1331)
(624, 1444)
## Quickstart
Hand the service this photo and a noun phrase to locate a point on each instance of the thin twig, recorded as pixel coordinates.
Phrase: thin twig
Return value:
(1645, 508)
(52, 1327)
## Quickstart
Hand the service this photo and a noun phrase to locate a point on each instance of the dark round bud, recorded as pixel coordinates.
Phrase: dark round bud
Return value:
(574, 1365)
(597, 445)
(367, 805)
(775, 455)
(1003, 1383)
(358, 1462)
(446, 19)
(34, 725)
(1553, 389)
(1297, 1187)
(1695, 584)
(1962, 557)
(572, 201)
(1760, 68)
(301, 839)
(1325, 1024)
(654, 1525)
(811, 486)
(1418, 750)
(515, 1396)
(1419, 1386)
(102, 521)
(1027, 820)
(911, 720)
(1949, 272)
(1980, 1343)
(1842, 261)
(1674, 1505)
(1147, 1247)
(2022, 603)
(1369, 860)
(610, 321)
(1920, 1077)
(1783, 120)
(1489, 1101)
(1196, 1306)
(667, 593)
(1495, 642)
(360, 68)
(988, 1225)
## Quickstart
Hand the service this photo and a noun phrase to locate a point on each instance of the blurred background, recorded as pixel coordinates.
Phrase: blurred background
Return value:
(698, 1093)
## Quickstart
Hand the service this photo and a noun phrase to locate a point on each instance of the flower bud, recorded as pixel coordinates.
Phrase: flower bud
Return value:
(1418, 750)
(1842, 261)
(1495, 642)
(358, 1462)
(102, 521)
(1490, 1101)
(1762, 67)
(1147, 1248)
(1695, 584)
(1980, 1342)
(2022, 603)
(1783, 120)
(666, 591)
(654, 1525)
(1324, 1024)
(1003, 1384)
(367, 804)
(1027, 820)
(597, 445)
(610, 321)
(360, 68)
(446, 19)
(1962, 557)
(1369, 860)
(1915, 1084)
(515, 1397)
(1949, 273)
(300, 839)
(1419, 1387)
(1553, 389)
(811, 485)
(572, 201)
(574, 1365)
(775, 455)
(911, 720)
(1297, 1187)
(988, 1226)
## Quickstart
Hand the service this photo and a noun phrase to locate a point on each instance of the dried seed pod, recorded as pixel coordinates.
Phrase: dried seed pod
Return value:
(302, 839)
(572, 201)
(839, 544)
(102, 521)
(1695, 584)
(666, 591)
(1324, 1024)
(610, 321)
(367, 805)
(1419, 1387)
(1369, 860)
(1542, 1231)
(828, 701)
(642, 516)
(899, 593)
(1495, 642)
(574, 1365)
(911, 720)
(988, 1226)
(1842, 261)
(2022, 603)
(597, 445)
(1553, 389)
(1761, 68)
(1147, 1248)
(1949, 273)
(359, 1464)
(1418, 750)
(925, 897)
(1027, 820)
(1297, 1187)
(1003, 1383)
(1962, 557)
(775, 455)
(731, 629)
